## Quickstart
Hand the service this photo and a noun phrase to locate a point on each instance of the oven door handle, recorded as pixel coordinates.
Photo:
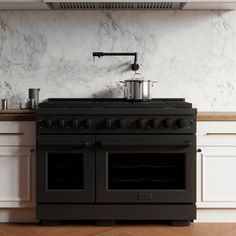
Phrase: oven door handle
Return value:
(83, 144)
(109, 144)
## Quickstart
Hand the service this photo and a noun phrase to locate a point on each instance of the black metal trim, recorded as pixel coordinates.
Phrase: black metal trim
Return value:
(116, 212)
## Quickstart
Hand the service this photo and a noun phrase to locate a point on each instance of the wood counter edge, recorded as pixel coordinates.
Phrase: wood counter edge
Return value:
(216, 116)
(25, 115)
(17, 117)
(17, 111)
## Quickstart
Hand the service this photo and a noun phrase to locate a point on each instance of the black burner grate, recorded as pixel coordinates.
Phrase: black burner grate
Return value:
(114, 103)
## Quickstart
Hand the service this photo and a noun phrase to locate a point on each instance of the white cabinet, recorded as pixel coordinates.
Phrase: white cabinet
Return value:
(17, 164)
(216, 165)
(16, 176)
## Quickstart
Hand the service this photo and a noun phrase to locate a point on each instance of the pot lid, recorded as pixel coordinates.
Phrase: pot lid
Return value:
(137, 80)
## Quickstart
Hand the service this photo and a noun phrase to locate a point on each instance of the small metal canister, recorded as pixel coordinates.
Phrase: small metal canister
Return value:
(34, 97)
(4, 104)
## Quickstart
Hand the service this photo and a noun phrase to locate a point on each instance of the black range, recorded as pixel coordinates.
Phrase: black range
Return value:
(115, 159)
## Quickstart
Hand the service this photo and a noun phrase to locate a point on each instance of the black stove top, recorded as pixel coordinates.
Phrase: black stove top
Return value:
(114, 103)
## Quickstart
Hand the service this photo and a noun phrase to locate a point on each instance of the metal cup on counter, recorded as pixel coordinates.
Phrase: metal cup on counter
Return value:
(4, 104)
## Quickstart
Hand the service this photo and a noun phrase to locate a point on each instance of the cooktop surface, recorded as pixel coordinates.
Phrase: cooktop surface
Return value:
(114, 103)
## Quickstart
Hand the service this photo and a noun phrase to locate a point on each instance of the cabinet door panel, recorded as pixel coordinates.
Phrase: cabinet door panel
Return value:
(219, 174)
(16, 177)
(217, 178)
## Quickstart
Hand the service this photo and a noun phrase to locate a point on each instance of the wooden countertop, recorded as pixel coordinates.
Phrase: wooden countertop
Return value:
(17, 115)
(29, 115)
(216, 116)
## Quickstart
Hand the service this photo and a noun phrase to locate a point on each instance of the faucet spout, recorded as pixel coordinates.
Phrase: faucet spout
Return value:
(134, 66)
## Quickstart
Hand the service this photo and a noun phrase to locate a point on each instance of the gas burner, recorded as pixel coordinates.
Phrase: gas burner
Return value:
(114, 103)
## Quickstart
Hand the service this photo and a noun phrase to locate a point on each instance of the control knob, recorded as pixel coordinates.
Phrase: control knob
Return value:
(40, 124)
(75, 124)
(62, 123)
(122, 124)
(109, 123)
(155, 124)
(181, 123)
(88, 124)
(142, 123)
(168, 123)
(48, 124)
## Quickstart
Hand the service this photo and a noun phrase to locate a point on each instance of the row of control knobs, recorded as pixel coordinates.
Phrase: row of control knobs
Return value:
(110, 124)
(61, 123)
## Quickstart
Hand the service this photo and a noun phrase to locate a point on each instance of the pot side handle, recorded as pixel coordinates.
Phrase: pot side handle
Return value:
(154, 82)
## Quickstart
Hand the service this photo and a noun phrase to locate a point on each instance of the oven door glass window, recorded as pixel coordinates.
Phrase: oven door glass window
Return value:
(65, 171)
(146, 171)
(145, 168)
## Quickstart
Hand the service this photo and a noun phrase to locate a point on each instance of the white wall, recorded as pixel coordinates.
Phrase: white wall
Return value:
(190, 54)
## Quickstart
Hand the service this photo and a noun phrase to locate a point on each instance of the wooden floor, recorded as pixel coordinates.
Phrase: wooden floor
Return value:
(195, 229)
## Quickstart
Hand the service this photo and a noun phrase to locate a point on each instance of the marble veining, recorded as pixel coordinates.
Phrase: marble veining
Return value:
(190, 54)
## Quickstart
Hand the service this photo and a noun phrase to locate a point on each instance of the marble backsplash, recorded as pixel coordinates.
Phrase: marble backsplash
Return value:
(192, 54)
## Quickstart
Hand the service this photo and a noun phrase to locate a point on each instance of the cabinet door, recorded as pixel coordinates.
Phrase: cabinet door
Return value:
(216, 177)
(16, 177)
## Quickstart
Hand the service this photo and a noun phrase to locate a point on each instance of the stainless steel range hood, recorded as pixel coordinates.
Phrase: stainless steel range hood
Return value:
(141, 4)
(117, 4)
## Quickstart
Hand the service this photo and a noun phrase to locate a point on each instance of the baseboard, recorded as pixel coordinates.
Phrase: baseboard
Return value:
(203, 215)
(216, 215)
(17, 215)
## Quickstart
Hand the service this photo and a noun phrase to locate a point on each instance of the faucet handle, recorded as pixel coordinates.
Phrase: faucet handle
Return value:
(135, 67)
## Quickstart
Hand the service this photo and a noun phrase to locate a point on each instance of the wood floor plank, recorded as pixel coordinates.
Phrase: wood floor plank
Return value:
(195, 229)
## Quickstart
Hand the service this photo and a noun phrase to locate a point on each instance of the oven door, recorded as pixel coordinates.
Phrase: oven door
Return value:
(146, 168)
(65, 168)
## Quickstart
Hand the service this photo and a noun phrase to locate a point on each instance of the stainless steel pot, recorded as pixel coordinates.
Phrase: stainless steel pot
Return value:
(135, 89)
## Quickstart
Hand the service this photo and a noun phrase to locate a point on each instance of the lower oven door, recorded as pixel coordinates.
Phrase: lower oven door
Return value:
(65, 168)
(146, 168)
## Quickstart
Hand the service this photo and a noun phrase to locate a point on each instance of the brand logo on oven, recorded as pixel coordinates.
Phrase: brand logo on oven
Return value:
(144, 196)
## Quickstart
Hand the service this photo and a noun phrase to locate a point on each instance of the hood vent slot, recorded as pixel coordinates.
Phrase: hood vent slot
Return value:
(116, 5)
